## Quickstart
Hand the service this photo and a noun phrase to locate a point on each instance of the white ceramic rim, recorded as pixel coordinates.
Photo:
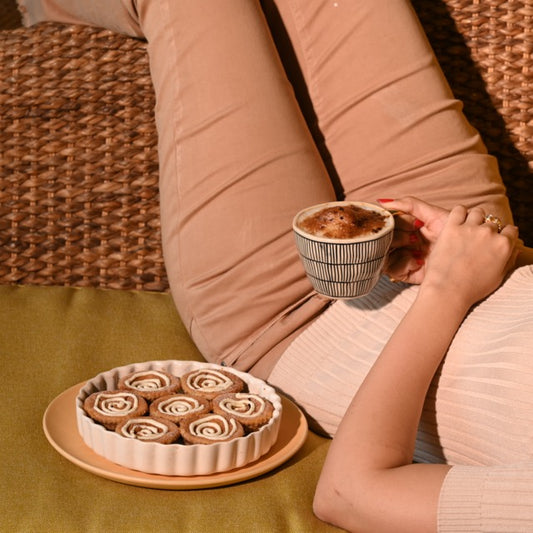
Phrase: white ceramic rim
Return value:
(389, 222)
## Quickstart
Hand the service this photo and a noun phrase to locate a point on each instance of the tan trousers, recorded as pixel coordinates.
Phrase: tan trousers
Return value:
(240, 152)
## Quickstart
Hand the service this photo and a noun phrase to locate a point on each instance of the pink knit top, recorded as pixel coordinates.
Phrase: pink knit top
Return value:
(479, 410)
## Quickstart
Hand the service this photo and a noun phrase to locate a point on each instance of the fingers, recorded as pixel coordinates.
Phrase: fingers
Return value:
(494, 221)
(476, 216)
(512, 247)
(406, 222)
(405, 265)
(511, 232)
(458, 215)
(429, 239)
(413, 206)
(406, 238)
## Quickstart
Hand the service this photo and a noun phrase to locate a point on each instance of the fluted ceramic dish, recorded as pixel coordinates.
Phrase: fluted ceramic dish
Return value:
(176, 459)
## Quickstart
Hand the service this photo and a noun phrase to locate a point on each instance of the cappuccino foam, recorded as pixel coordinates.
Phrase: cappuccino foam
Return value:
(343, 222)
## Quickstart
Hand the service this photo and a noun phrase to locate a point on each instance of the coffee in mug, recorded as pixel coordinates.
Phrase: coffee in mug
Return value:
(343, 246)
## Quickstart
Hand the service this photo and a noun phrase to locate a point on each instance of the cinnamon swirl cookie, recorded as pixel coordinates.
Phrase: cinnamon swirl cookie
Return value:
(110, 408)
(150, 384)
(149, 429)
(210, 382)
(251, 410)
(210, 428)
(175, 407)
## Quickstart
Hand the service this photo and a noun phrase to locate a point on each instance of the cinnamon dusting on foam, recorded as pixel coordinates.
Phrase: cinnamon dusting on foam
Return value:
(343, 222)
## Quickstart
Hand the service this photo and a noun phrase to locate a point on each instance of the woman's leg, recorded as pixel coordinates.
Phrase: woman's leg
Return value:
(392, 128)
(236, 163)
(117, 15)
(387, 115)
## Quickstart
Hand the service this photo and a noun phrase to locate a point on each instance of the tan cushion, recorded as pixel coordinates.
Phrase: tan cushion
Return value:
(52, 338)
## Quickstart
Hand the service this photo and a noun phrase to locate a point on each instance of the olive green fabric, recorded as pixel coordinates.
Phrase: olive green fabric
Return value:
(52, 338)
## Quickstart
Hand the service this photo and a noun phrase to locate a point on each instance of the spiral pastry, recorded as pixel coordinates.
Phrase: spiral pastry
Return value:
(110, 408)
(210, 428)
(149, 429)
(210, 382)
(150, 384)
(251, 410)
(175, 407)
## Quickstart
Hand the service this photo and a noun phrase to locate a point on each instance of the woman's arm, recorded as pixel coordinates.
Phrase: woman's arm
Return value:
(368, 482)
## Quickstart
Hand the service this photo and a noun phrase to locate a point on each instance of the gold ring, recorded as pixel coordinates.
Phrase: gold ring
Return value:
(494, 220)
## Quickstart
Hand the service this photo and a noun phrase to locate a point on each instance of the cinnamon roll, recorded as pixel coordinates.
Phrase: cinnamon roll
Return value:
(149, 429)
(175, 407)
(210, 382)
(150, 384)
(110, 408)
(210, 428)
(251, 410)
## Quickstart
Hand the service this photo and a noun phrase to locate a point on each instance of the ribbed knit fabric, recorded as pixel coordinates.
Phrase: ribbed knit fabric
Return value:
(494, 499)
(323, 368)
(481, 401)
(479, 408)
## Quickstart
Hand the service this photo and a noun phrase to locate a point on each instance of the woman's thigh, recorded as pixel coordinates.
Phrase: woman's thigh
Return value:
(385, 110)
(236, 163)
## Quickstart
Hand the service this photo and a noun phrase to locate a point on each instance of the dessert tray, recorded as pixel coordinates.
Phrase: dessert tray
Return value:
(172, 466)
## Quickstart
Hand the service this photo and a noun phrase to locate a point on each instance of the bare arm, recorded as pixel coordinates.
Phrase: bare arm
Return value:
(369, 482)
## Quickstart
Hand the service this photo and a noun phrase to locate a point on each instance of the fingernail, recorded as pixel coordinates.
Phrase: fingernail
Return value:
(418, 224)
(418, 256)
(385, 200)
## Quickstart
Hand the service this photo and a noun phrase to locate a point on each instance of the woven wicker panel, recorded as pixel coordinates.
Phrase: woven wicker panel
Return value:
(78, 161)
(485, 49)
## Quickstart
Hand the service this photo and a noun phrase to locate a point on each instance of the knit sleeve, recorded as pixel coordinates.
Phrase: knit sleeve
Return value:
(487, 498)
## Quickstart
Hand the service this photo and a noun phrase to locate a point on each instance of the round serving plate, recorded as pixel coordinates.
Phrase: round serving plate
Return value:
(61, 430)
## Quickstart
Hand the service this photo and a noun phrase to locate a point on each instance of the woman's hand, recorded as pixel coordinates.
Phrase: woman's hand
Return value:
(471, 257)
(418, 226)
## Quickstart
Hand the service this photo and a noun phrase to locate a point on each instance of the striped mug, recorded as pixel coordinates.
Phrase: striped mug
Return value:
(340, 266)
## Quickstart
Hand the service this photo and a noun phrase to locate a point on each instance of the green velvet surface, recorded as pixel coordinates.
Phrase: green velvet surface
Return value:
(52, 338)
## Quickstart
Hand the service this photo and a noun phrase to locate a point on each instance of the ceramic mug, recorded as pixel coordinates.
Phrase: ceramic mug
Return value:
(344, 267)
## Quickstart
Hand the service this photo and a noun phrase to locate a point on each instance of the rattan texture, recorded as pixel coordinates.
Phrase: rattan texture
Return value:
(79, 202)
(485, 48)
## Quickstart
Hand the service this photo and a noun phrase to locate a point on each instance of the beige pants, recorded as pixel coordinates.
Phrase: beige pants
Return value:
(242, 149)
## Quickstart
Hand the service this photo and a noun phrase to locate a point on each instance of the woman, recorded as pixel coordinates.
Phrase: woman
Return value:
(368, 482)
(242, 149)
